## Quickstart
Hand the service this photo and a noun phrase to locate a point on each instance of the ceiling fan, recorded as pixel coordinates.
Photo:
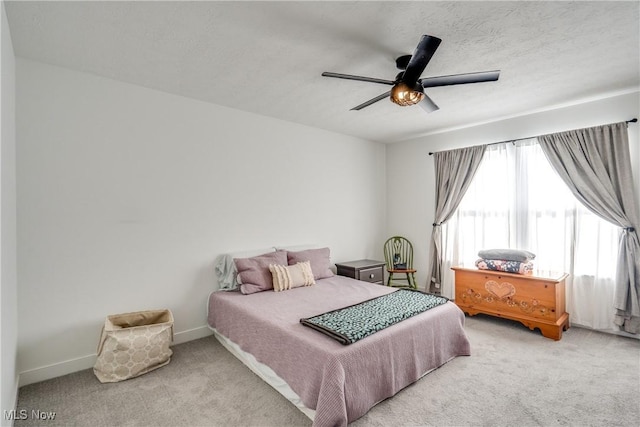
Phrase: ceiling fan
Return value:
(408, 87)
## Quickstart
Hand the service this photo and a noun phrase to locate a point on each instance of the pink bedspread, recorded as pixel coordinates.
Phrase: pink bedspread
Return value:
(340, 382)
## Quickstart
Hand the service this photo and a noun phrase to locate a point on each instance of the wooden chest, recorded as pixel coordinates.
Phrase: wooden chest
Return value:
(536, 302)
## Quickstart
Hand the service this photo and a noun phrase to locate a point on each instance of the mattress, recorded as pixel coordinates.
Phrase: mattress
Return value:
(340, 383)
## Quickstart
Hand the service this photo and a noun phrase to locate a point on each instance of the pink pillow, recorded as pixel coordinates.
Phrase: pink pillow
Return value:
(319, 259)
(254, 272)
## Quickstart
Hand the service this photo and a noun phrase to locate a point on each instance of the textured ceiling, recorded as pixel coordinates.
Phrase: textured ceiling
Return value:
(267, 57)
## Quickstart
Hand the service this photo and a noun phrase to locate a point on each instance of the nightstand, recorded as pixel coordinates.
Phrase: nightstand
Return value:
(366, 270)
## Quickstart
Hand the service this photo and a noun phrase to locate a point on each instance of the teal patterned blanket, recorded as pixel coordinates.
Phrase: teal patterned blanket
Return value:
(350, 324)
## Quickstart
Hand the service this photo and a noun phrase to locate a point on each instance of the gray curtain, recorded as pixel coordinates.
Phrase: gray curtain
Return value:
(454, 171)
(595, 163)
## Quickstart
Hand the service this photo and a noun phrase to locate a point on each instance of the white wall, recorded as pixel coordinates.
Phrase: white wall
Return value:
(411, 174)
(126, 195)
(8, 268)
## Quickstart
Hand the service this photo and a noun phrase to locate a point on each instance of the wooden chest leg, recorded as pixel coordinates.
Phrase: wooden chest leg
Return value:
(551, 331)
(555, 331)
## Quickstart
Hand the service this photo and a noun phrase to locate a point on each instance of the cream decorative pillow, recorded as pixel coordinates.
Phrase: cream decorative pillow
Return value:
(292, 276)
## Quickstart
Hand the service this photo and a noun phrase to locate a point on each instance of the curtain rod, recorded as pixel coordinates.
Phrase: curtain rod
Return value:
(634, 120)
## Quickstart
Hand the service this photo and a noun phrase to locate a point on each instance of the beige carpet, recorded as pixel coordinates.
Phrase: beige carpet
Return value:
(514, 377)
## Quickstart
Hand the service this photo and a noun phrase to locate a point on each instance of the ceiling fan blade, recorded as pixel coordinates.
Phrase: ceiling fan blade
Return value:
(360, 78)
(428, 105)
(420, 58)
(460, 79)
(372, 101)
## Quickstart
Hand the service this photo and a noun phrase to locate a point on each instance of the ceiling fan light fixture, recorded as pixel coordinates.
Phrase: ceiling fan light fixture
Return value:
(408, 86)
(404, 95)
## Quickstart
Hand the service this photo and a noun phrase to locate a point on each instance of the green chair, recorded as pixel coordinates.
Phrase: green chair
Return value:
(398, 255)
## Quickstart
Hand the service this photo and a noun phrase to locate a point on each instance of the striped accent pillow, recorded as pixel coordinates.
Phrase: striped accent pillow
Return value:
(291, 276)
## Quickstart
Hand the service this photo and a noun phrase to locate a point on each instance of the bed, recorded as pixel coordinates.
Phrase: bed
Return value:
(332, 383)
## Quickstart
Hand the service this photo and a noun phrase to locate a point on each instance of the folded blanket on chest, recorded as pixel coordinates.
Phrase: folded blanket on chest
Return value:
(350, 324)
(506, 266)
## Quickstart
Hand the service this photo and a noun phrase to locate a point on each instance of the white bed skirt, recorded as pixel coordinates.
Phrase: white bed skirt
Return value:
(266, 373)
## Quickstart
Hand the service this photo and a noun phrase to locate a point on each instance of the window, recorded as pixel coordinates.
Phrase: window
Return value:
(516, 200)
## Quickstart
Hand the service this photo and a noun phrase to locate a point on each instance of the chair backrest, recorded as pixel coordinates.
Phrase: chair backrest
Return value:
(398, 250)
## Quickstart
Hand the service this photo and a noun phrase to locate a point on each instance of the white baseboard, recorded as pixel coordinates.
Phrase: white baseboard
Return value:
(86, 362)
(9, 421)
(56, 370)
(191, 334)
